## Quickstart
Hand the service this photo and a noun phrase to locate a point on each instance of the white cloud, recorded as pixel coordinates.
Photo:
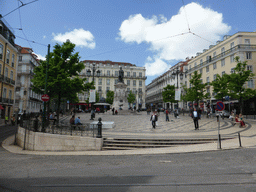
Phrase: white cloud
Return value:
(156, 67)
(40, 57)
(80, 37)
(44, 37)
(161, 34)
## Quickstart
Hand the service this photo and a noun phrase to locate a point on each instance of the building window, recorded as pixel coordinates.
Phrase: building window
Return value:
(128, 82)
(6, 72)
(214, 66)
(222, 62)
(4, 93)
(189, 66)
(108, 89)
(116, 73)
(100, 82)
(189, 76)
(11, 75)
(232, 58)
(232, 45)
(8, 56)
(207, 69)
(116, 80)
(201, 71)
(10, 94)
(134, 82)
(222, 51)
(20, 58)
(140, 90)
(140, 83)
(0, 69)
(248, 55)
(207, 79)
(214, 54)
(250, 83)
(249, 67)
(134, 90)
(208, 90)
(1, 51)
(140, 74)
(223, 72)
(195, 64)
(108, 81)
(232, 70)
(99, 88)
(128, 74)
(247, 41)
(214, 77)
(13, 58)
(201, 61)
(134, 74)
(108, 73)
(128, 90)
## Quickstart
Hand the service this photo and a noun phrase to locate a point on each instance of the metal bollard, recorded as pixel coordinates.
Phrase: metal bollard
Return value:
(240, 144)
(99, 129)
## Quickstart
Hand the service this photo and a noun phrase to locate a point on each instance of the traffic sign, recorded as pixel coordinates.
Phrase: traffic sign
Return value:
(45, 97)
(220, 106)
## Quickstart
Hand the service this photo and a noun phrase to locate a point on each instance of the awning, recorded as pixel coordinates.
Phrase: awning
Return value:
(1, 107)
(101, 104)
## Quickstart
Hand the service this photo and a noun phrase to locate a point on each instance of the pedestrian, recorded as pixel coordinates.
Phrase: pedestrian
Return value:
(113, 111)
(195, 117)
(167, 115)
(153, 118)
(92, 114)
(72, 120)
(77, 121)
(6, 119)
(116, 112)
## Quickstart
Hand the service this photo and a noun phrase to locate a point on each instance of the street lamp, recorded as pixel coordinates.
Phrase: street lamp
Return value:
(175, 73)
(93, 67)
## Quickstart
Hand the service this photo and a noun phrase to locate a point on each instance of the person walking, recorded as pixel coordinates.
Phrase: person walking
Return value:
(195, 116)
(167, 115)
(6, 119)
(153, 118)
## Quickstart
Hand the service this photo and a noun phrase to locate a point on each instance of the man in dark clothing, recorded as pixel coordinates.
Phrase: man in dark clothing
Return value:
(195, 115)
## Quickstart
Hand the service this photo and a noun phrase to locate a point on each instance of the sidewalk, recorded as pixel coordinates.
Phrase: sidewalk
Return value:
(139, 126)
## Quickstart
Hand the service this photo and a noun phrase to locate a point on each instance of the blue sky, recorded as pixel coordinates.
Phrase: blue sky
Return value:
(142, 32)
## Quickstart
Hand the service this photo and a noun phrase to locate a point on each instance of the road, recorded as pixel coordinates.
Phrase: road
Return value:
(227, 170)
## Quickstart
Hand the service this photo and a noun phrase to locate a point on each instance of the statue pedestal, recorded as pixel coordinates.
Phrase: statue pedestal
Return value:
(120, 97)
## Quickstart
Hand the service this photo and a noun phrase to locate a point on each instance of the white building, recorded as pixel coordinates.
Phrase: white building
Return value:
(106, 76)
(26, 99)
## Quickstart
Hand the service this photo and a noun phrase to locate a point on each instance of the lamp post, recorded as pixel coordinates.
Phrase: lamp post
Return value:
(94, 68)
(176, 73)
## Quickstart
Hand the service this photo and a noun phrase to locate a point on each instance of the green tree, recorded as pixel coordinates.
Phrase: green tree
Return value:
(169, 94)
(220, 85)
(131, 98)
(197, 90)
(237, 83)
(63, 75)
(110, 97)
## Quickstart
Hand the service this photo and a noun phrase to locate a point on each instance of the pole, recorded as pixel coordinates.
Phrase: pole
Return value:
(178, 89)
(219, 140)
(45, 88)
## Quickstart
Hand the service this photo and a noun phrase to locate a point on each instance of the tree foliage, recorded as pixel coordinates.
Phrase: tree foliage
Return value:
(110, 97)
(169, 94)
(220, 85)
(63, 75)
(197, 90)
(238, 80)
(131, 98)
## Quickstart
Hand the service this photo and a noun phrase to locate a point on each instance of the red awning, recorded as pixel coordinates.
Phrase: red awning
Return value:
(1, 107)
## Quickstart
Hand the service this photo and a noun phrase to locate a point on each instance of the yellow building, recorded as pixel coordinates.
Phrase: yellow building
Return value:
(8, 63)
(219, 58)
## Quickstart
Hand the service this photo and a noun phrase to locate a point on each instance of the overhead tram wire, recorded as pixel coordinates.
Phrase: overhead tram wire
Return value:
(130, 46)
(22, 5)
(32, 41)
(186, 15)
(21, 25)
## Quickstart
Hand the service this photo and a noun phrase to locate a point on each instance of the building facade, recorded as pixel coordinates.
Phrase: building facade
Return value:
(219, 59)
(8, 65)
(174, 76)
(26, 99)
(106, 76)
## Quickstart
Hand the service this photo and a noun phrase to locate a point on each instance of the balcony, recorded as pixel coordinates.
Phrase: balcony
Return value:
(6, 100)
(7, 80)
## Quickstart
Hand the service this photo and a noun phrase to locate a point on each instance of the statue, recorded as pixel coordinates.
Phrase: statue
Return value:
(121, 75)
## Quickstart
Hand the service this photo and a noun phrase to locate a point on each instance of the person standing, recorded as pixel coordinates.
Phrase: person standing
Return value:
(167, 115)
(195, 116)
(153, 118)
(113, 111)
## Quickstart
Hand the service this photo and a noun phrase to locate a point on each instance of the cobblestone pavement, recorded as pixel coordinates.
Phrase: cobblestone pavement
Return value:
(140, 126)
